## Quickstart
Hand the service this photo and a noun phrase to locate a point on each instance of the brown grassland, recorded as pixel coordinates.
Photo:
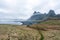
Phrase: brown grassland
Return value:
(48, 30)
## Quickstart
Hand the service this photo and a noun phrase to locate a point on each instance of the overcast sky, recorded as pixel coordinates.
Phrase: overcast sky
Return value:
(23, 9)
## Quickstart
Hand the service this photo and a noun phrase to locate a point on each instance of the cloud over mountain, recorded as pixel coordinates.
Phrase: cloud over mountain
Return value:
(24, 8)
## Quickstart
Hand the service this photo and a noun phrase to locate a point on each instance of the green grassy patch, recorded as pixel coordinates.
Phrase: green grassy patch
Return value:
(52, 22)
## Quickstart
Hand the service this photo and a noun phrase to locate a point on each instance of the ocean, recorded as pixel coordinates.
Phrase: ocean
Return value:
(10, 21)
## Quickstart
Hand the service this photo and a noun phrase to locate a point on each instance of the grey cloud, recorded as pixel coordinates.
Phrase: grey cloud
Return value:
(21, 9)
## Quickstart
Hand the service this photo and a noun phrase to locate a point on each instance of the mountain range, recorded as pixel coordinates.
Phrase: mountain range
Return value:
(37, 16)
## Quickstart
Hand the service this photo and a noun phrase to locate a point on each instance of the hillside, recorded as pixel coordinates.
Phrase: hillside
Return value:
(48, 30)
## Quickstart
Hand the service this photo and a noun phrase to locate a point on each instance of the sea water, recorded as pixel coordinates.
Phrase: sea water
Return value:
(10, 22)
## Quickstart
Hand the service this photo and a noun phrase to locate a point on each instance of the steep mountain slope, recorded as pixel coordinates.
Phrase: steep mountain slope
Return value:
(37, 16)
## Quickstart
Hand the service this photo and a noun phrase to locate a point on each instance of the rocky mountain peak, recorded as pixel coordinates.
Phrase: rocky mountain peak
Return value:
(35, 13)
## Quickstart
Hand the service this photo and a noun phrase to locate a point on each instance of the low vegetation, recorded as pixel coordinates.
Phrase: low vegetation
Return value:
(15, 32)
(49, 30)
(52, 22)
